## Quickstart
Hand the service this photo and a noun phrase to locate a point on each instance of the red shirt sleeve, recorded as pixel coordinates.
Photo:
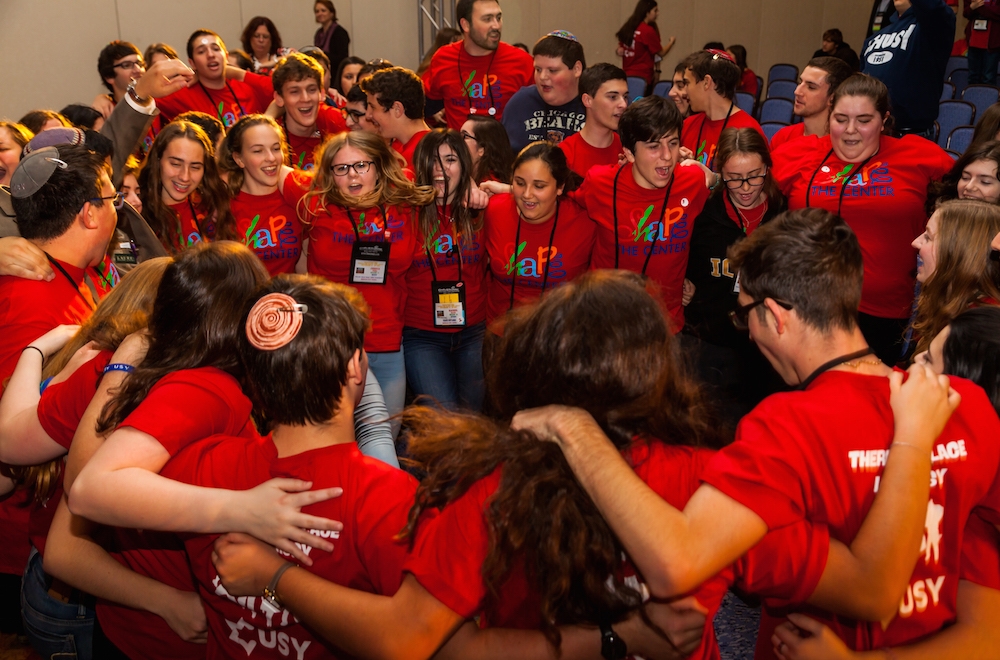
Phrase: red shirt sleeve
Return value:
(379, 520)
(981, 553)
(649, 37)
(261, 88)
(62, 405)
(330, 121)
(297, 184)
(787, 564)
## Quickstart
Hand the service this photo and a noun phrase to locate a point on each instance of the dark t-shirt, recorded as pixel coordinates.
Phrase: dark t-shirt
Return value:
(528, 119)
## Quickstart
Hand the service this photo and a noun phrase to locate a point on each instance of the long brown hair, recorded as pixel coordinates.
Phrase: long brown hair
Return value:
(392, 188)
(235, 175)
(748, 142)
(963, 272)
(214, 198)
(572, 349)
(123, 311)
(195, 320)
(424, 159)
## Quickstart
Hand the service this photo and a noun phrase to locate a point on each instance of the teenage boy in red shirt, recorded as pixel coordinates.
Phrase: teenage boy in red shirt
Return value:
(396, 107)
(819, 453)
(298, 90)
(478, 74)
(710, 79)
(604, 92)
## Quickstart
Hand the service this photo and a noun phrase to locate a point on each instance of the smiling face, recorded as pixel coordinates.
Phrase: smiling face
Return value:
(557, 83)
(447, 172)
(812, 95)
(353, 184)
(130, 188)
(855, 128)
(926, 245)
(300, 99)
(678, 94)
(469, 135)
(182, 167)
(979, 181)
(10, 156)
(260, 157)
(535, 191)
(654, 161)
(745, 166)
(208, 58)
(607, 106)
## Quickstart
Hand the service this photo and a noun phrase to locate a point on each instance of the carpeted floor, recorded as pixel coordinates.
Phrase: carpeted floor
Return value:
(12, 648)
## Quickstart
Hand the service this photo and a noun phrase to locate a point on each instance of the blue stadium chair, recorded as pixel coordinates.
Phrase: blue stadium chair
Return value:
(662, 88)
(960, 79)
(770, 128)
(782, 72)
(981, 96)
(744, 101)
(954, 154)
(777, 110)
(947, 92)
(782, 89)
(760, 88)
(960, 138)
(955, 62)
(636, 88)
(951, 115)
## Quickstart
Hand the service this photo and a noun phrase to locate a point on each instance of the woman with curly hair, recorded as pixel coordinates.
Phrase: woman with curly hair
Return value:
(184, 199)
(262, 42)
(359, 213)
(956, 270)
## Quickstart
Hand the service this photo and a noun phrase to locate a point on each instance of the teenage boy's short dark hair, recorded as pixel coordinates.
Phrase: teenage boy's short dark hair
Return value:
(569, 51)
(201, 32)
(296, 67)
(648, 119)
(725, 74)
(396, 84)
(595, 76)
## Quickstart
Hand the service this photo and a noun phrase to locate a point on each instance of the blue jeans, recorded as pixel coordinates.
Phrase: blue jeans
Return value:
(447, 366)
(57, 630)
(371, 424)
(983, 66)
(390, 369)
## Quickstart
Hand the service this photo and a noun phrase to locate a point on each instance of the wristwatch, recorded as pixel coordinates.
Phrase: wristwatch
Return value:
(270, 595)
(135, 97)
(612, 646)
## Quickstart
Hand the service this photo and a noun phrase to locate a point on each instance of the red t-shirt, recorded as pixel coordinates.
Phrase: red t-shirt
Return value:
(59, 413)
(269, 225)
(303, 150)
(580, 156)
(449, 550)
(446, 247)
(567, 256)
(237, 99)
(182, 408)
(787, 134)
(701, 135)
(407, 150)
(639, 57)
(883, 204)
(331, 239)
(748, 82)
(29, 309)
(191, 226)
(470, 84)
(798, 456)
(365, 556)
(639, 228)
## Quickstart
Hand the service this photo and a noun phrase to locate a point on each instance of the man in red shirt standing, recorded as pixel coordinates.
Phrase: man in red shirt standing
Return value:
(604, 92)
(480, 73)
(396, 107)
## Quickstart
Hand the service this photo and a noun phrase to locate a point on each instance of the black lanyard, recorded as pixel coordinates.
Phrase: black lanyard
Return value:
(548, 260)
(826, 366)
(218, 111)
(456, 248)
(702, 127)
(614, 210)
(72, 283)
(847, 178)
(467, 88)
(385, 222)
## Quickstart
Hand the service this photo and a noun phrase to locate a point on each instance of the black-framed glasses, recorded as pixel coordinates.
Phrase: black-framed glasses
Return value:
(356, 115)
(741, 315)
(469, 136)
(125, 66)
(753, 181)
(119, 199)
(361, 167)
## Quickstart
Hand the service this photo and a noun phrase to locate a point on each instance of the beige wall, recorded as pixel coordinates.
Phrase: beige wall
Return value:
(58, 68)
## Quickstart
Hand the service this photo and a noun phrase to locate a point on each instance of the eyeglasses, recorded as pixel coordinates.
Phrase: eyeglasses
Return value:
(126, 66)
(356, 115)
(119, 199)
(361, 167)
(469, 136)
(752, 181)
(741, 315)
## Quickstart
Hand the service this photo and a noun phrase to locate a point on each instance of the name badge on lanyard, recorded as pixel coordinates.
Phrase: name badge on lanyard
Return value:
(448, 298)
(369, 262)
(980, 24)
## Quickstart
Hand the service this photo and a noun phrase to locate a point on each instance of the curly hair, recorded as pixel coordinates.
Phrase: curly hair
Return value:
(213, 197)
(963, 272)
(392, 188)
(570, 349)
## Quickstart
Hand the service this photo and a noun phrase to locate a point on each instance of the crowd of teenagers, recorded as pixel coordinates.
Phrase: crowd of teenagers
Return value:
(307, 356)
